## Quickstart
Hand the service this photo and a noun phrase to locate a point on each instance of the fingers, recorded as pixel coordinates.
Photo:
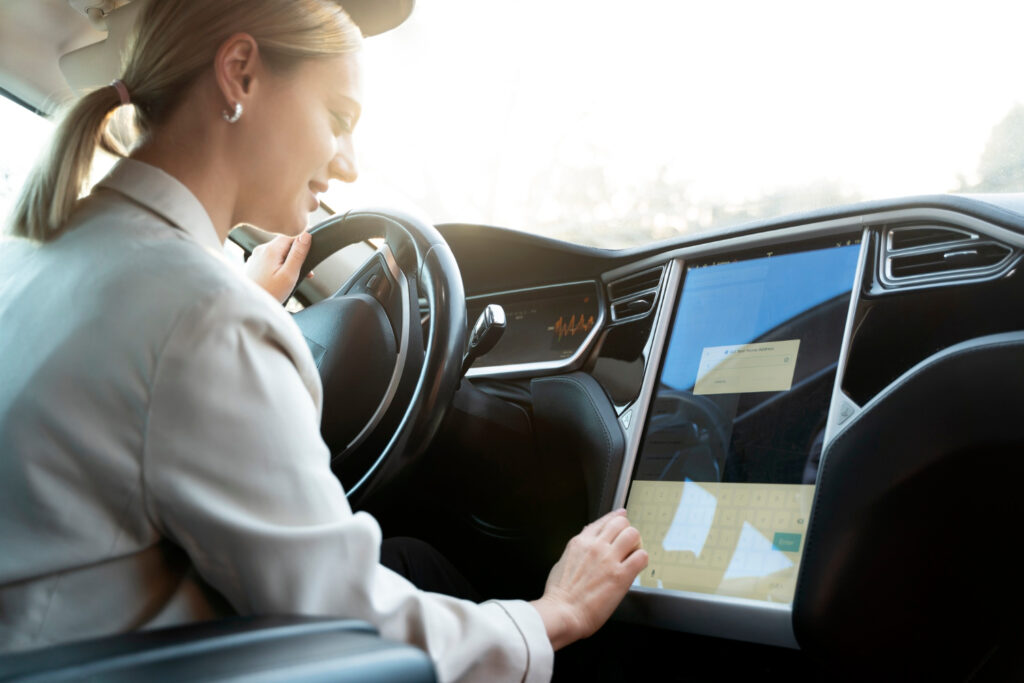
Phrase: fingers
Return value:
(275, 266)
(626, 542)
(588, 581)
(598, 525)
(276, 249)
(298, 252)
(636, 562)
(613, 527)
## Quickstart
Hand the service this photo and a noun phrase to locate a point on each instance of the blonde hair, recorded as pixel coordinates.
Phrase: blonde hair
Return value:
(174, 42)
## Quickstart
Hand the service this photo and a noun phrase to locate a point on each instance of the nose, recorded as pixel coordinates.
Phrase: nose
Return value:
(343, 165)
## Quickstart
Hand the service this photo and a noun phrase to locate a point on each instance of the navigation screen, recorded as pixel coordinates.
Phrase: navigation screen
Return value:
(543, 325)
(725, 475)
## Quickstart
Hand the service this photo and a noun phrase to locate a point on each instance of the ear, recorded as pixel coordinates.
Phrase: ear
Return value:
(235, 67)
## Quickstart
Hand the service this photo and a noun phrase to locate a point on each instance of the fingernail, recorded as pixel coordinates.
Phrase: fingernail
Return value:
(304, 238)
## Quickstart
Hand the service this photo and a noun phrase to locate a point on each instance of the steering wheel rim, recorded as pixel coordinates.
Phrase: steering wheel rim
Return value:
(424, 263)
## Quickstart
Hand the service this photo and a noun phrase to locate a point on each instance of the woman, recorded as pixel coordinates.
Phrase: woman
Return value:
(160, 458)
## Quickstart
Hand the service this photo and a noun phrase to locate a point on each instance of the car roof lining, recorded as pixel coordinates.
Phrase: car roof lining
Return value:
(33, 36)
(49, 51)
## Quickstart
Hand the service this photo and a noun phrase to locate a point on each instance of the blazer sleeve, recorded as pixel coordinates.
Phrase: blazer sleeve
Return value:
(235, 472)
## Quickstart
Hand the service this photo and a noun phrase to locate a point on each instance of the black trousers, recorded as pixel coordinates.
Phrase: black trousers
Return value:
(425, 567)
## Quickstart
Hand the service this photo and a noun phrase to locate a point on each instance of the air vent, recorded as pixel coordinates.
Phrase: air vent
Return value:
(969, 256)
(634, 296)
(633, 307)
(927, 254)
(634, 284)
(911, 236)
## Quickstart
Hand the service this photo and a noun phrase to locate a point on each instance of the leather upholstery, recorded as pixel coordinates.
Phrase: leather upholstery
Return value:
(271, 648)
(910, 563)
(574, 420)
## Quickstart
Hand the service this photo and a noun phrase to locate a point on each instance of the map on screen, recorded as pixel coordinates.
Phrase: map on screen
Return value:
(742, 540)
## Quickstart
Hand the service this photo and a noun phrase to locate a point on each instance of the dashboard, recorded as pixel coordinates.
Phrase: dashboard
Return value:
(548, 328)
(735, 365)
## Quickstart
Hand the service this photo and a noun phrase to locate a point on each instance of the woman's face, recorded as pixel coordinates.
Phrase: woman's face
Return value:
(298, 136)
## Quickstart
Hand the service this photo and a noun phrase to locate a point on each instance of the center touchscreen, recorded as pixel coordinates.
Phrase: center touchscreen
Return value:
(725, 475)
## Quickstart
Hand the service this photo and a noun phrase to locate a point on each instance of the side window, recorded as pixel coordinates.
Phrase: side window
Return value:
(23, 135)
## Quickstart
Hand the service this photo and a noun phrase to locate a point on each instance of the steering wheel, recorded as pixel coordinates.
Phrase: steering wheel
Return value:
(387, 380)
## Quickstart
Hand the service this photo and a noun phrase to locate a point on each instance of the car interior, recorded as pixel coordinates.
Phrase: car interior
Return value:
(810, 419)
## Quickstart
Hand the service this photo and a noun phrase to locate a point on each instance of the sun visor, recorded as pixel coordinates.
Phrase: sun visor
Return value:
(374, 17)
(98, 64)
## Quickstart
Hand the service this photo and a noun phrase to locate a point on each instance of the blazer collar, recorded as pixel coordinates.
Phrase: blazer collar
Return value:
(164, 195)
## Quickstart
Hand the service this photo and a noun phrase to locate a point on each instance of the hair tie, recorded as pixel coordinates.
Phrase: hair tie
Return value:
(122, 90)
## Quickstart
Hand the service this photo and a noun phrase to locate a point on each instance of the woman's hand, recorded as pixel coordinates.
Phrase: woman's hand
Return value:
(591, 578)
(274, 266)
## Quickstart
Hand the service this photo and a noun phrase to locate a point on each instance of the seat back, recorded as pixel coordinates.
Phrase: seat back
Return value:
(910, 562)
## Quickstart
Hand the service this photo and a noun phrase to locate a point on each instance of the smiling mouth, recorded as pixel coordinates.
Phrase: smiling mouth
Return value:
(315, 188)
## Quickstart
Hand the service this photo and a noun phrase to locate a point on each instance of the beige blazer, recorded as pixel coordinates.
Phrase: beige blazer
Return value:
(160, 454)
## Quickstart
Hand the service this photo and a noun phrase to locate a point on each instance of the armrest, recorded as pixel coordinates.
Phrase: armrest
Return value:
(270, 648)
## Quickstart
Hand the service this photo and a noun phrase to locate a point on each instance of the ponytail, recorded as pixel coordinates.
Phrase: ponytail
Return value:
(59, 175)
(175, 41)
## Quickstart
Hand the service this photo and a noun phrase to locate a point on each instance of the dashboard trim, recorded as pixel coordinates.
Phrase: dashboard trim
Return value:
(544, 367)
(841, 408)
(818, 229)
(719, 616)
(634, 416)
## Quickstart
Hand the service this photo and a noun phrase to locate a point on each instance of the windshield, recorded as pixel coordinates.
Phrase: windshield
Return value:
(615, 124)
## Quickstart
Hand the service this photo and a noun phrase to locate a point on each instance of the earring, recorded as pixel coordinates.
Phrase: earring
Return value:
(233, 118)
